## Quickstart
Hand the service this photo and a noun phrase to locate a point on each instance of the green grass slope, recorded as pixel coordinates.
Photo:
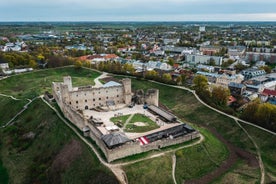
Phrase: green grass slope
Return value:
(39, 148)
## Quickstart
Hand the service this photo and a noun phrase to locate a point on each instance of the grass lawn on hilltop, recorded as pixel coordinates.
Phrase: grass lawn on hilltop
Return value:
(149, 124)
(158, 170)
(30, 85)
(267, 144)
(196, 161)
(118, 119)
(9, 108)
(40, 148)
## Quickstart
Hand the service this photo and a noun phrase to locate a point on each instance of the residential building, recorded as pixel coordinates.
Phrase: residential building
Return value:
(250, 73)
(236, 89)
(202, 59)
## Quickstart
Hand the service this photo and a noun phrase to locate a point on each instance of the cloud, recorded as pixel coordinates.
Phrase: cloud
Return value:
(136, 9)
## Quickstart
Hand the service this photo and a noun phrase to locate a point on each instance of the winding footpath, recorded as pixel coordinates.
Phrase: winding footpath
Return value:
(173, 167)
(11, 122)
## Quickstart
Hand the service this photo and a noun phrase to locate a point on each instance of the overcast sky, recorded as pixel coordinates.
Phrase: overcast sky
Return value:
(138, 10)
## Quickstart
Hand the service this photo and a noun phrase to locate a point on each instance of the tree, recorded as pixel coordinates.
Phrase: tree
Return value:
(151, 74)
(171, 61)
(32, 64)
(201, 87)
(166, 77)
(267, 69)
(212, 62)
(200, 83)
(240, 67)
(220, 95)
(78, 65)
(179, 80)
(227, 63)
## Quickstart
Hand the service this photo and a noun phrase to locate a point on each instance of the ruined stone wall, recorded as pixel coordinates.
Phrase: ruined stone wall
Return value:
(152, 97)
(93, 97)
(127, 149)
(132, 148)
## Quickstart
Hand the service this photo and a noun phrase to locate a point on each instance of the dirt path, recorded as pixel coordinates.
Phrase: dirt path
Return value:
(9, 96)
(128, 120)
(261, 164)
(173, 168)
(97, 80)
(20, 112)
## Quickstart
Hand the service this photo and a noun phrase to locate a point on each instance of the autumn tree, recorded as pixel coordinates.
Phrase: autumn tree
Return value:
(220, 95)
(152, 74)
(200, 83)
(78, 65)
(166, 77)
(267, 69)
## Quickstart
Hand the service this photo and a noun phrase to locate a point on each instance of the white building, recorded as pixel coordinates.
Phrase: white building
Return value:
(4, 66)
(203, 59)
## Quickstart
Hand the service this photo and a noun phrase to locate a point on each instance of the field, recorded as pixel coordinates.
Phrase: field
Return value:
(9, 108)
(26, 160)
(149, 124)
(61, 158)
(120, 120)
(30, 85)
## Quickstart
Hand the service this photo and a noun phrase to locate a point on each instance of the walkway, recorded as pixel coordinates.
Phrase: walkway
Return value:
(173, 167)
(20, 112)
(97, 80)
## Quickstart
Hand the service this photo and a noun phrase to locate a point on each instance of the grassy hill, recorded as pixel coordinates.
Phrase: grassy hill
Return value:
(38, 147)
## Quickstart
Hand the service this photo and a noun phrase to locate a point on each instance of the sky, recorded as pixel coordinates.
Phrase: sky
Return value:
(138, 10)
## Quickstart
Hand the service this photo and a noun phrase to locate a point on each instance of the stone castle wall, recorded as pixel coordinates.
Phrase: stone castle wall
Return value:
(127, 149)
(65, 99)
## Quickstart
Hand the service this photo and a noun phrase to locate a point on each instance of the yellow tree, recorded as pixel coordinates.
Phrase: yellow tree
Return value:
(220, 95)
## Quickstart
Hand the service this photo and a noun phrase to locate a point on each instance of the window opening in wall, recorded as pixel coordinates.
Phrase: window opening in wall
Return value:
(86, 107)
(100, 99)
(77, 102)
(93, 99)
(117, 95)
(107, 97)
(85, 100)
(70, 103)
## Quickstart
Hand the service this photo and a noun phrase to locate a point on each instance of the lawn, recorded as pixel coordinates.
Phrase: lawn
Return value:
(30, 85)
(9, 108)
(240, 172)
(39, 148)
(4, 177)
(196, 161)
(267, 144)
(118, 119)
(158, 170)
(149, 124)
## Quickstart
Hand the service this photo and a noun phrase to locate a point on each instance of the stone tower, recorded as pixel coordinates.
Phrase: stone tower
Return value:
(152, 97)
(127, 90)
(68, 81)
